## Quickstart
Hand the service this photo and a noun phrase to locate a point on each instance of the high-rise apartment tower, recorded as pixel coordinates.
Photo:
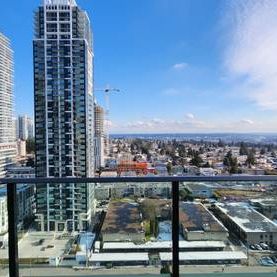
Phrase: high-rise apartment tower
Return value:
(99, 136)
(7, 127)
(64, 133)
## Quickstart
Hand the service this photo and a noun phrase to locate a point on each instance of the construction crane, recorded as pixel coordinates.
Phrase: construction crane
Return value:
(108, 90)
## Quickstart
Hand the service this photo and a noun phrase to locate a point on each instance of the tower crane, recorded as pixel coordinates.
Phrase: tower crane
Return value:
(108, 90)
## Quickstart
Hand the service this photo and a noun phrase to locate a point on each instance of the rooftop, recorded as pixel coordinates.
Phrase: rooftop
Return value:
(59, 2)
(118, 257)
(163, 245)
(204, 256)
(195, 217)
(51, 245)
(122, 217)
(247, 218)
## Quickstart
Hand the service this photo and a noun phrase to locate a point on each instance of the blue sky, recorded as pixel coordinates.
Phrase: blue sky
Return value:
(182, 65)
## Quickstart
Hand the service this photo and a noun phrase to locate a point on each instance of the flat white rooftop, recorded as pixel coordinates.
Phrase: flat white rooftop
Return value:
(206, 256)
(248, 219)
(163, 245)
(51, 246)
(118, 257)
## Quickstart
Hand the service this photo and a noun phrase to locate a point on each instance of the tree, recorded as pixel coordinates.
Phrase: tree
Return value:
(165, 269)
(231, 162)
(30, 146)
(262, 152)
(250, 158)
(220, 143)
(30, 162)
(169, 168)
(196, 160)
(185, 195)
(243, 149)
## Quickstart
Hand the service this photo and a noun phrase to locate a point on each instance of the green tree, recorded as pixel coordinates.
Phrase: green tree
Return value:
(220, 143)
(185, 195)
(196, 160)
(262, 152)
(231, 162)
(30, 146)
(243, 149)
(250, 158)
(165, 269)
(169, 168)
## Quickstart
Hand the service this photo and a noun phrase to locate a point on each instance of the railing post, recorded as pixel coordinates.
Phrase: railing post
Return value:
(175, 229)
(12, 219)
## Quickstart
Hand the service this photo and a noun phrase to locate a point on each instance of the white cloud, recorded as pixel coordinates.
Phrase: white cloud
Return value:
(180, 66)
(153, 125)
(251, 54)
(247, 121)
(190, 115)
(193, 125)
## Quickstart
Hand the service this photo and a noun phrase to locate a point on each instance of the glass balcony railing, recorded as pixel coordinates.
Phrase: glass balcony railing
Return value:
(141, 226)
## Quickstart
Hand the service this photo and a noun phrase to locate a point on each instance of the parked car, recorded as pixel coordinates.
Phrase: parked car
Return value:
(252, 247)
(258, 247)
(266, 261)
(274, 259)
(264, 246)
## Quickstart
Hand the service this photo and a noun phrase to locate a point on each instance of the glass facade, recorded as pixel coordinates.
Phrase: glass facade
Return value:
(63, 81)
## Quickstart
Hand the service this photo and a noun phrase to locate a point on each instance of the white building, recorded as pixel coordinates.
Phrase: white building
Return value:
(21, 148)
(7, 128)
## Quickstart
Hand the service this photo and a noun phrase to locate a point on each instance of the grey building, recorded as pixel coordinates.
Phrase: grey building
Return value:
(267, 207)
(200, 190)
(198, 223)
(64, 132)
(25, 127)
(248, 224)
(7, 128)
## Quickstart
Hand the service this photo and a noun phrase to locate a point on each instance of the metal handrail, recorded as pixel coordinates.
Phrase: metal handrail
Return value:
(158, 179)
(174, 180)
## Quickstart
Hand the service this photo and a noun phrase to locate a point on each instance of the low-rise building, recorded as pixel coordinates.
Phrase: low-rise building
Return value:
(200, 190)
(206, 258)
(249, 225)
(197, 223)
(160, 246)
(267, 207)
(118, 259)
(21, 148)
(123, 222)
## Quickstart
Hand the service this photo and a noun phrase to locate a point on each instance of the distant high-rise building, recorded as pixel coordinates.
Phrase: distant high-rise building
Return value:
(22, 127)
(30, 127)
(25, 127)
(64, 133)
(99, 137)
(7, 128)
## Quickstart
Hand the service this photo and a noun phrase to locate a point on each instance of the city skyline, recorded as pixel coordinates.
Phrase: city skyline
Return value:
(191, 66)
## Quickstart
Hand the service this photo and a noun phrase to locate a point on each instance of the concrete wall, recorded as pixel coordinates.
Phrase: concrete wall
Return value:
(199, 235)
(116, 237)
